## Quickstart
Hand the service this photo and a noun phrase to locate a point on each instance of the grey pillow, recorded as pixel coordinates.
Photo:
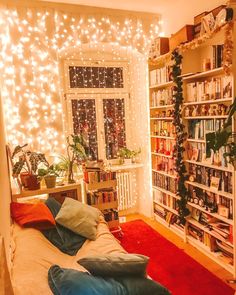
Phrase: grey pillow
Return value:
(79, 218)
(116, 265)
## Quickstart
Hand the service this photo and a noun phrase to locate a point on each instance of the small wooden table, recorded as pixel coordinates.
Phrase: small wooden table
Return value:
(55, 191)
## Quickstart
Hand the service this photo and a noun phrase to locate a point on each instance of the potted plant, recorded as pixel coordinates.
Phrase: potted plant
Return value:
(50, 175)
(27, 161)
(224, 138)
(76, 153)
(127, 156)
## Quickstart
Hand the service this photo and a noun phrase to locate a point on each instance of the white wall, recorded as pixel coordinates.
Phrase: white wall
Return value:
(4, 187)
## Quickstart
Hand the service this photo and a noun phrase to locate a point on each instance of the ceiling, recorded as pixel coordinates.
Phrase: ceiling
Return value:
(175, 13)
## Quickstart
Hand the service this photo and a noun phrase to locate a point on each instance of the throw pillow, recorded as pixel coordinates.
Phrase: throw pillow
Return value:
(64, 239)
(32, 215)
(79, 218)
(116, 265)
(73, 282)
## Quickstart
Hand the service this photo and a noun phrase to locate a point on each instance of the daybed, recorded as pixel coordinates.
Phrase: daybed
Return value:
(33, 255)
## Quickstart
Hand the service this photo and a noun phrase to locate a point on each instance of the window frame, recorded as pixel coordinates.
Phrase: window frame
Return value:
(98, 97)
(89, 63)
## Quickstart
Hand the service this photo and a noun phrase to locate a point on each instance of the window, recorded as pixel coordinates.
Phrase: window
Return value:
(96, 77)
(96, 110)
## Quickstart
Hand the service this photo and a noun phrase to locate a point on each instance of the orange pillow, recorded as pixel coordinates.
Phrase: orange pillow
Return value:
(32, 215)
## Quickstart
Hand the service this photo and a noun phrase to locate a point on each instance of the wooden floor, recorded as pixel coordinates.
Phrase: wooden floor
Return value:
(187, 248)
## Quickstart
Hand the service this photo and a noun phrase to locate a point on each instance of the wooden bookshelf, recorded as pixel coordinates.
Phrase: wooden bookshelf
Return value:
(104, 206)
(211, 96)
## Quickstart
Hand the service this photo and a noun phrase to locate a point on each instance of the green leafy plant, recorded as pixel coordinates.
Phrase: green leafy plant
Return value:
(27, 160)
(220, 138)
(76, 153)
(182, 190)
(51, 170)
(126, 153)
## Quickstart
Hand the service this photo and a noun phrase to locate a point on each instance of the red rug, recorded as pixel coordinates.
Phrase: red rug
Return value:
(169, 265)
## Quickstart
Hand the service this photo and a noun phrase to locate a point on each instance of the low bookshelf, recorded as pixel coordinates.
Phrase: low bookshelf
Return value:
(101, 193)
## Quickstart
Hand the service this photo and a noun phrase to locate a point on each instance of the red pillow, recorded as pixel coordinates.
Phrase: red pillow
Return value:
(32, 215)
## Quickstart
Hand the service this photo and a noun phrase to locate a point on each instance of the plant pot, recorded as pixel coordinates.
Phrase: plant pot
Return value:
(50, 181)
(23, 176)
(127, 161)
(32, 182)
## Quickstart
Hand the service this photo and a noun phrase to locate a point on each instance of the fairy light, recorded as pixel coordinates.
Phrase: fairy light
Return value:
(34, 43)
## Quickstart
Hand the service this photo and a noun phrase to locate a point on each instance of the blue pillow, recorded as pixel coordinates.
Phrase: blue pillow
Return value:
(64, 239)
(72, 282)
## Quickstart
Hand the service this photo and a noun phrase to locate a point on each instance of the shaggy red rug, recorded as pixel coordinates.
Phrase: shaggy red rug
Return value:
(169, 265)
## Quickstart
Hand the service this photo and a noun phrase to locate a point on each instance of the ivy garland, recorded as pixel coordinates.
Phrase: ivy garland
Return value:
(182, 191)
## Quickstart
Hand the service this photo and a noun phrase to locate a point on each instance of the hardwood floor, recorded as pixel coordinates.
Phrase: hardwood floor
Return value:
(187, 248)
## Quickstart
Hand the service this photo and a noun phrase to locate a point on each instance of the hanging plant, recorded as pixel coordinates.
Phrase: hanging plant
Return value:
(182, 191)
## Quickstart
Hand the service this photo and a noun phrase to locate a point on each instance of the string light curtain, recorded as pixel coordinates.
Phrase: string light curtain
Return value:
(31, 36)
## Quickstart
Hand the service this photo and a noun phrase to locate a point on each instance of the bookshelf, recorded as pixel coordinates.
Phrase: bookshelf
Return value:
(211, 183)
(101, 193)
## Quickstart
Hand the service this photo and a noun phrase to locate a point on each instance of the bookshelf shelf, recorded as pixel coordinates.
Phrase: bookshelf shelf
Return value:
(162, 107)
(174, 229)
(162, 118)
(212, 91)
(205, 117)
(166, 207)
(213, 72)
(163, 137)
(206, 188)
(164, 173)
(163, 85)
(226, 220)
(196, 140)
(199, 245)
(226, 169)
(162, 155)
(208, 101)
(165, 192)
(206, 230)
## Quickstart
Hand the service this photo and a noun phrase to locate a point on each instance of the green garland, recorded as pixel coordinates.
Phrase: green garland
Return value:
(182, 191)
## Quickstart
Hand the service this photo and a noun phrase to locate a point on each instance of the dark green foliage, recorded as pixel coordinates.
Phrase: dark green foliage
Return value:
(182, 191)
(218, 139)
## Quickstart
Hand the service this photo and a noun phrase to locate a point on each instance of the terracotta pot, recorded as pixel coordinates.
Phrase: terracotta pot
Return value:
(50, 181)
(32, 182)
(23, 176)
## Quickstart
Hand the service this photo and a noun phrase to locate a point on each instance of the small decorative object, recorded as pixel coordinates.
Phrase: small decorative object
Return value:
(161, 148)
(169, 113)
(29, 161)
(224, 15)
(201, 203)
(223, 211)
(213, 110)
(195, 154)
(159, 47)
(208, 24)
(215, 181)
(187, 112)
(191, 178)
(194, 112)
(206, 64)
(204, 110)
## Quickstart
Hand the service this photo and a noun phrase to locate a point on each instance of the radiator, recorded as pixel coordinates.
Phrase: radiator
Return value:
(124, 190)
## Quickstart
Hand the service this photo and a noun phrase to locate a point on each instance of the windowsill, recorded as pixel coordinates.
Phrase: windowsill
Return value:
(125, 166)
